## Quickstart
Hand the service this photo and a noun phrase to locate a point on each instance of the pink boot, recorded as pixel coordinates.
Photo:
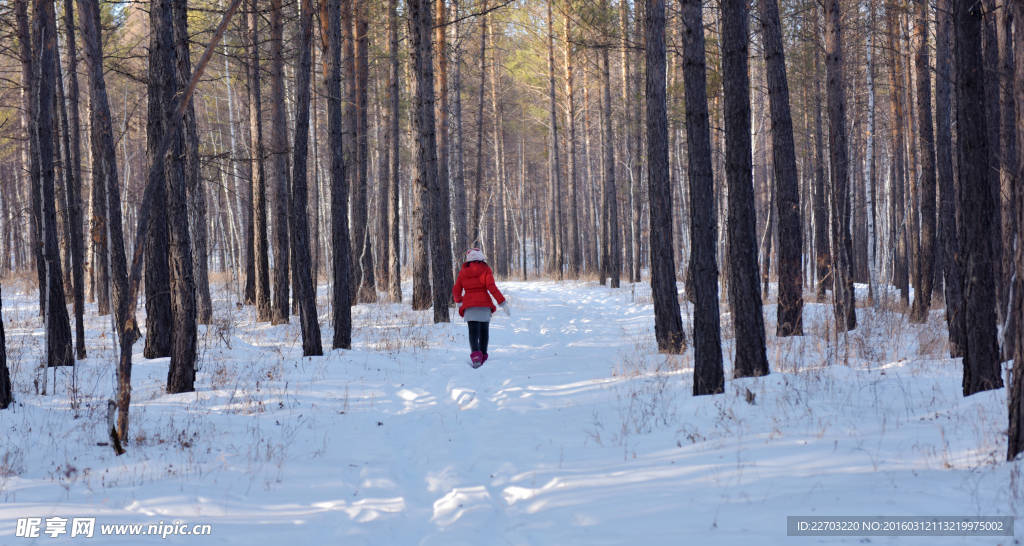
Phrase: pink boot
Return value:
(477, 358)
(484, 358)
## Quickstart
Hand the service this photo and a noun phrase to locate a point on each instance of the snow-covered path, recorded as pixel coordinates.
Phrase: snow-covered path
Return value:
(575, 431)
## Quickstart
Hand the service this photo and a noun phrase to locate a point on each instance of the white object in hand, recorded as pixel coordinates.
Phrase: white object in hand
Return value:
(505, 307)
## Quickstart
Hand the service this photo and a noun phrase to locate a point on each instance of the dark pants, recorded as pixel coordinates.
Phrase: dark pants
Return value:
(478, 335)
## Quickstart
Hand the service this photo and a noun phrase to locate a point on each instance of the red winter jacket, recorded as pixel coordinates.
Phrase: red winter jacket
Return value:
(475, 280)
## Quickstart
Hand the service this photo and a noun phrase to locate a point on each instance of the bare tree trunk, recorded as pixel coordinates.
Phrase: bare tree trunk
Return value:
(6, 395)
(98, 230)
(575, 253)
(443, 214)
(441, 270)
(993, 120)
(61, 181)
(351, 130)
(708, 376)
(319, 191)
(459, 219)
(330, 11)
(821, 245)
(787, 194)
(859, 221)
(909, 124)
(30, 153)
(871, 153)
(981, 350)
(842, 242)
(555, 266)
(259, 183)
(9, 243)
(612, 255)
(381, 274)
(422, 184)
(926, 142)
(395, 251)
(744, 289)
(950, 248)
(195, 192)
(1008, 172)
(629, 154)
(496, 225)
(13, 229)
(478, 175)
(104, 167)
(181, 373)
(44, 41)
(636, 175)
(764, 187)
(522, 201)
(897, 176)
(668, 324)
(1015, 446)
(246, 202)
(420, 25)
(594, 263)
(73, 170)
(767, 239)
(279, 165)
(363, 256)
(302, 269)
(159, 322)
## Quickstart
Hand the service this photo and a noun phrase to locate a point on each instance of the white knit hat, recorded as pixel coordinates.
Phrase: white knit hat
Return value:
(475, 254)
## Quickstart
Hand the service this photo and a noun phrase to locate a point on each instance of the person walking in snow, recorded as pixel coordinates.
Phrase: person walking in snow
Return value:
(473, 290)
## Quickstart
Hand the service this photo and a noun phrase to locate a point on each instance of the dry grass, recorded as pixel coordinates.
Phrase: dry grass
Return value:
(885, 302)
(584, 276)
(12, 463)
(933, 339)
(221, 376)
(640, 293)
(391, 331)
(646, 394)
(21, 282)
(878, 334)
(637, 365)
(224, 277)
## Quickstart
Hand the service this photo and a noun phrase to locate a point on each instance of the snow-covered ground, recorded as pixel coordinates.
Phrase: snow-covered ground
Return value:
(575, 431)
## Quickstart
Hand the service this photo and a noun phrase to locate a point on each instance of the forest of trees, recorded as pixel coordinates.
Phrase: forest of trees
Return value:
(715, 149)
